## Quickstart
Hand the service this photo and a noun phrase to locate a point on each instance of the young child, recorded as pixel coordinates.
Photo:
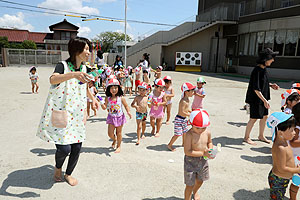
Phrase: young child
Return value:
(169, 95)
(93, 91)
(199, 94)
(33, 76)
(147, 80)
(289, 98)
(197, 144)
(137, 81)
(156, 101)
(282, 126)
(116, 117)
(180, 123)
(295, 144)
(157, 73)
(140, 104)
(128, 80)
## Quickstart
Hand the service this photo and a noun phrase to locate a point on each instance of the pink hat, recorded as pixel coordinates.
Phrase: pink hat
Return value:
(113, 82)
(186, 87)
(199, 118)
(112, 77)
(167, 78)
(159, 82)
(108, 71)
(129, 67)
(143, 85)
(286, 94)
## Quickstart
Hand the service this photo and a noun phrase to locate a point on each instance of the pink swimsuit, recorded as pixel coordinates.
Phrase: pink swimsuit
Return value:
(156, 111)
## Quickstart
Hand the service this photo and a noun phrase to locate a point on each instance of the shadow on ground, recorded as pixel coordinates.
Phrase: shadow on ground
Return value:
(265, 150)
(226, 142)
(237, 124)
(132, 137)
(258, 159)
(94, 120)
(161, 147)
(249, 195)
(25, 92)
(28, 178)
(163, 198)
(98, 150)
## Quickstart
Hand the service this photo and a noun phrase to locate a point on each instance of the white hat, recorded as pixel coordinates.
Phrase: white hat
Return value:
(143, 85)
(159, 82)
(113, 82)
(159, 67)
(296, 85)
(199, 118)
(286, 94)
(167, 78)
(108, 71)
(185, 87)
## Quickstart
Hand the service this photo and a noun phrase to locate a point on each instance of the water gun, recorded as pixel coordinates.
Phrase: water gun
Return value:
(93, 74)
(213, 152)
(100, 99)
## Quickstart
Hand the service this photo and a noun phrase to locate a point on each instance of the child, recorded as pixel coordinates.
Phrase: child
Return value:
(156, 101)
(295, 144)
(93, 91)
(116, 117)
(289, 98)
(296, 86)
(283, 161)
(128, 80)
(137, 78)
(140, 104)
(157, 74)
(199, 94)
(197, 143)
(33, 76)
(180, 123)
(147, 80)
(169, 95)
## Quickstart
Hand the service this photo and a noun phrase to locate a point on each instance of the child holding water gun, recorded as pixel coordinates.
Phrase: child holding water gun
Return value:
(33, 76)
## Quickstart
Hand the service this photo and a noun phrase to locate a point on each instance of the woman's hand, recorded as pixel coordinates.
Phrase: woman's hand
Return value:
(274, 86)
(266, 104)
(82, 77)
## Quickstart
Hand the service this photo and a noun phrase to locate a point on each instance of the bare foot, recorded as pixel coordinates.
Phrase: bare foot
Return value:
(249, 141)
(263, 139)
(196, 196)
(171, 148)
(143, 136)
(167, 122)
(138, 142)
(152, 132)
(57, 175)
(113, 145)
(72, 181)
(156, 135)
(118, 150)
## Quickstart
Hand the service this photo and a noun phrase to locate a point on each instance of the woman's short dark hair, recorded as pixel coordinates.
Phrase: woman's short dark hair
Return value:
(100, 54)
(108, 93)
(296, 112)
(75, 47)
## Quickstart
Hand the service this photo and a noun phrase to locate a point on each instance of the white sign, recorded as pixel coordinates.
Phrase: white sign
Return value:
(189, 58)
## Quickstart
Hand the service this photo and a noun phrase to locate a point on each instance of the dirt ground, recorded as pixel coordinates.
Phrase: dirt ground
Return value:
(139, 172)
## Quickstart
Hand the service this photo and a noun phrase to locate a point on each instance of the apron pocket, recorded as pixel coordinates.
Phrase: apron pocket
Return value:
(59, 118)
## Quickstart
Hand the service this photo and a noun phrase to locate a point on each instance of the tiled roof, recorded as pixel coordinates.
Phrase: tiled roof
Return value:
(15, 35)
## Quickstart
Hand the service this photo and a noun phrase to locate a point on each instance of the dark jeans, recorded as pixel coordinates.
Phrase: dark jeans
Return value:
(62, 151)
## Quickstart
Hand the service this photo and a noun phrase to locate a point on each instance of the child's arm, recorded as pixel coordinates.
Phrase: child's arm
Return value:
(295, 142)
(127, 108)
(133, 103)
(172, 93)
(188, 148)
(95, 103)
(57, 78)
(281, 162)
(209, 141)
(199, 95)
(104, 106)
(164, 102)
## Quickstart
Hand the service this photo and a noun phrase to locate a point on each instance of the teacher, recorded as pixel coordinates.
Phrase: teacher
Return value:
(64, 116)
(258, 95)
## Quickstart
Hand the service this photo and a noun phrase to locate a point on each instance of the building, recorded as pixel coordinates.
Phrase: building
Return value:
(229, 34)
(119, 46)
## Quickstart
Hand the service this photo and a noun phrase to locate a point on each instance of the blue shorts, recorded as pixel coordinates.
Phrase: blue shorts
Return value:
(141, 116)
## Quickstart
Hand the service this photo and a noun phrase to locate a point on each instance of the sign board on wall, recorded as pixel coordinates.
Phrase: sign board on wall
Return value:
(189, 58)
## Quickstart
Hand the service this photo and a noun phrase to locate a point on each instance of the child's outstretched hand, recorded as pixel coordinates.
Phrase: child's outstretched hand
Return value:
(129, 115)
(95, 104)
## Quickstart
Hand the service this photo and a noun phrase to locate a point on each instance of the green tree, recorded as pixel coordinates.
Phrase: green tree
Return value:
(108, 38)
(4, 42)
(28, 44)
(16, 46)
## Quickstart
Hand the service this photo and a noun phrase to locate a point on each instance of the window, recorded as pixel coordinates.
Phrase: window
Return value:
(242, 8)
(286, 3)
(243, 44)
(65, 35)
(259, 42)
(252, 44)
(291, 42)
(260, 5)
(279, 41)
(269, 39)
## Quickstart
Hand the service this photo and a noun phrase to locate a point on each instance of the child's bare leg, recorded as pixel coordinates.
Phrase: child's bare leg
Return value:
(119, 139)
(158, 126)
(111, 134)
(57, 175)
(168, 113)
(36, 87)
(170, 145)
(32, 87)
(188, 192)
(125, 91)
(95, 111)
(262, 125)
(138, 131)
(249, 127)
(196, 187)
(293, 192)
(152, 123)
(130, 91)
(143, 129)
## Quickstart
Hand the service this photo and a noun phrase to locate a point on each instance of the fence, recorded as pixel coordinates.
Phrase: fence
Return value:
(32, 57)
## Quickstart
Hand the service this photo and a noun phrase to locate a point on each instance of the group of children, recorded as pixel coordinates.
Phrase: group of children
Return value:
(285, 127)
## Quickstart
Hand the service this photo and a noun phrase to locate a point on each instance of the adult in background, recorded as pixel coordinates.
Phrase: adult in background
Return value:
(99, 59)
(118, 63)
(258, 95)
(145, 64)
(64, 116)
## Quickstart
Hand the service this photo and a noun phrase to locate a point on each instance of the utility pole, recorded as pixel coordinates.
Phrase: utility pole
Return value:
(125, 61)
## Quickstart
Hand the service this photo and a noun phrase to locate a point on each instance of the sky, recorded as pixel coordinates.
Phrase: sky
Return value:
(160, 11)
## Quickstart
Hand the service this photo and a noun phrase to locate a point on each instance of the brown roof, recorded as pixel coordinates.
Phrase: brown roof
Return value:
(15, 35)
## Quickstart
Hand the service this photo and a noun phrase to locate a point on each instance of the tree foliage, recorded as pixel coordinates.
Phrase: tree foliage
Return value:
(4, 42)
(107, 39)
(28, 44)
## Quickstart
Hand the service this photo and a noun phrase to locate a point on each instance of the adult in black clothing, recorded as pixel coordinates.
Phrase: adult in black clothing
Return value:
(258, 95)
(118, 63)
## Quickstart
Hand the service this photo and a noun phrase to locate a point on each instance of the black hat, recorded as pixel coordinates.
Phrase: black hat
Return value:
(265, 55)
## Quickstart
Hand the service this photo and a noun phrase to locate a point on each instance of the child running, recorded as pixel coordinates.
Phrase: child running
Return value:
(199, 94)
(295, 144)
(197, 144)
(282, 126)
(116, 117)
(93, 91)
(289, 98)
(169, 95)
(156, 101)
(180, 122)
(33, 76)
(140, 104)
